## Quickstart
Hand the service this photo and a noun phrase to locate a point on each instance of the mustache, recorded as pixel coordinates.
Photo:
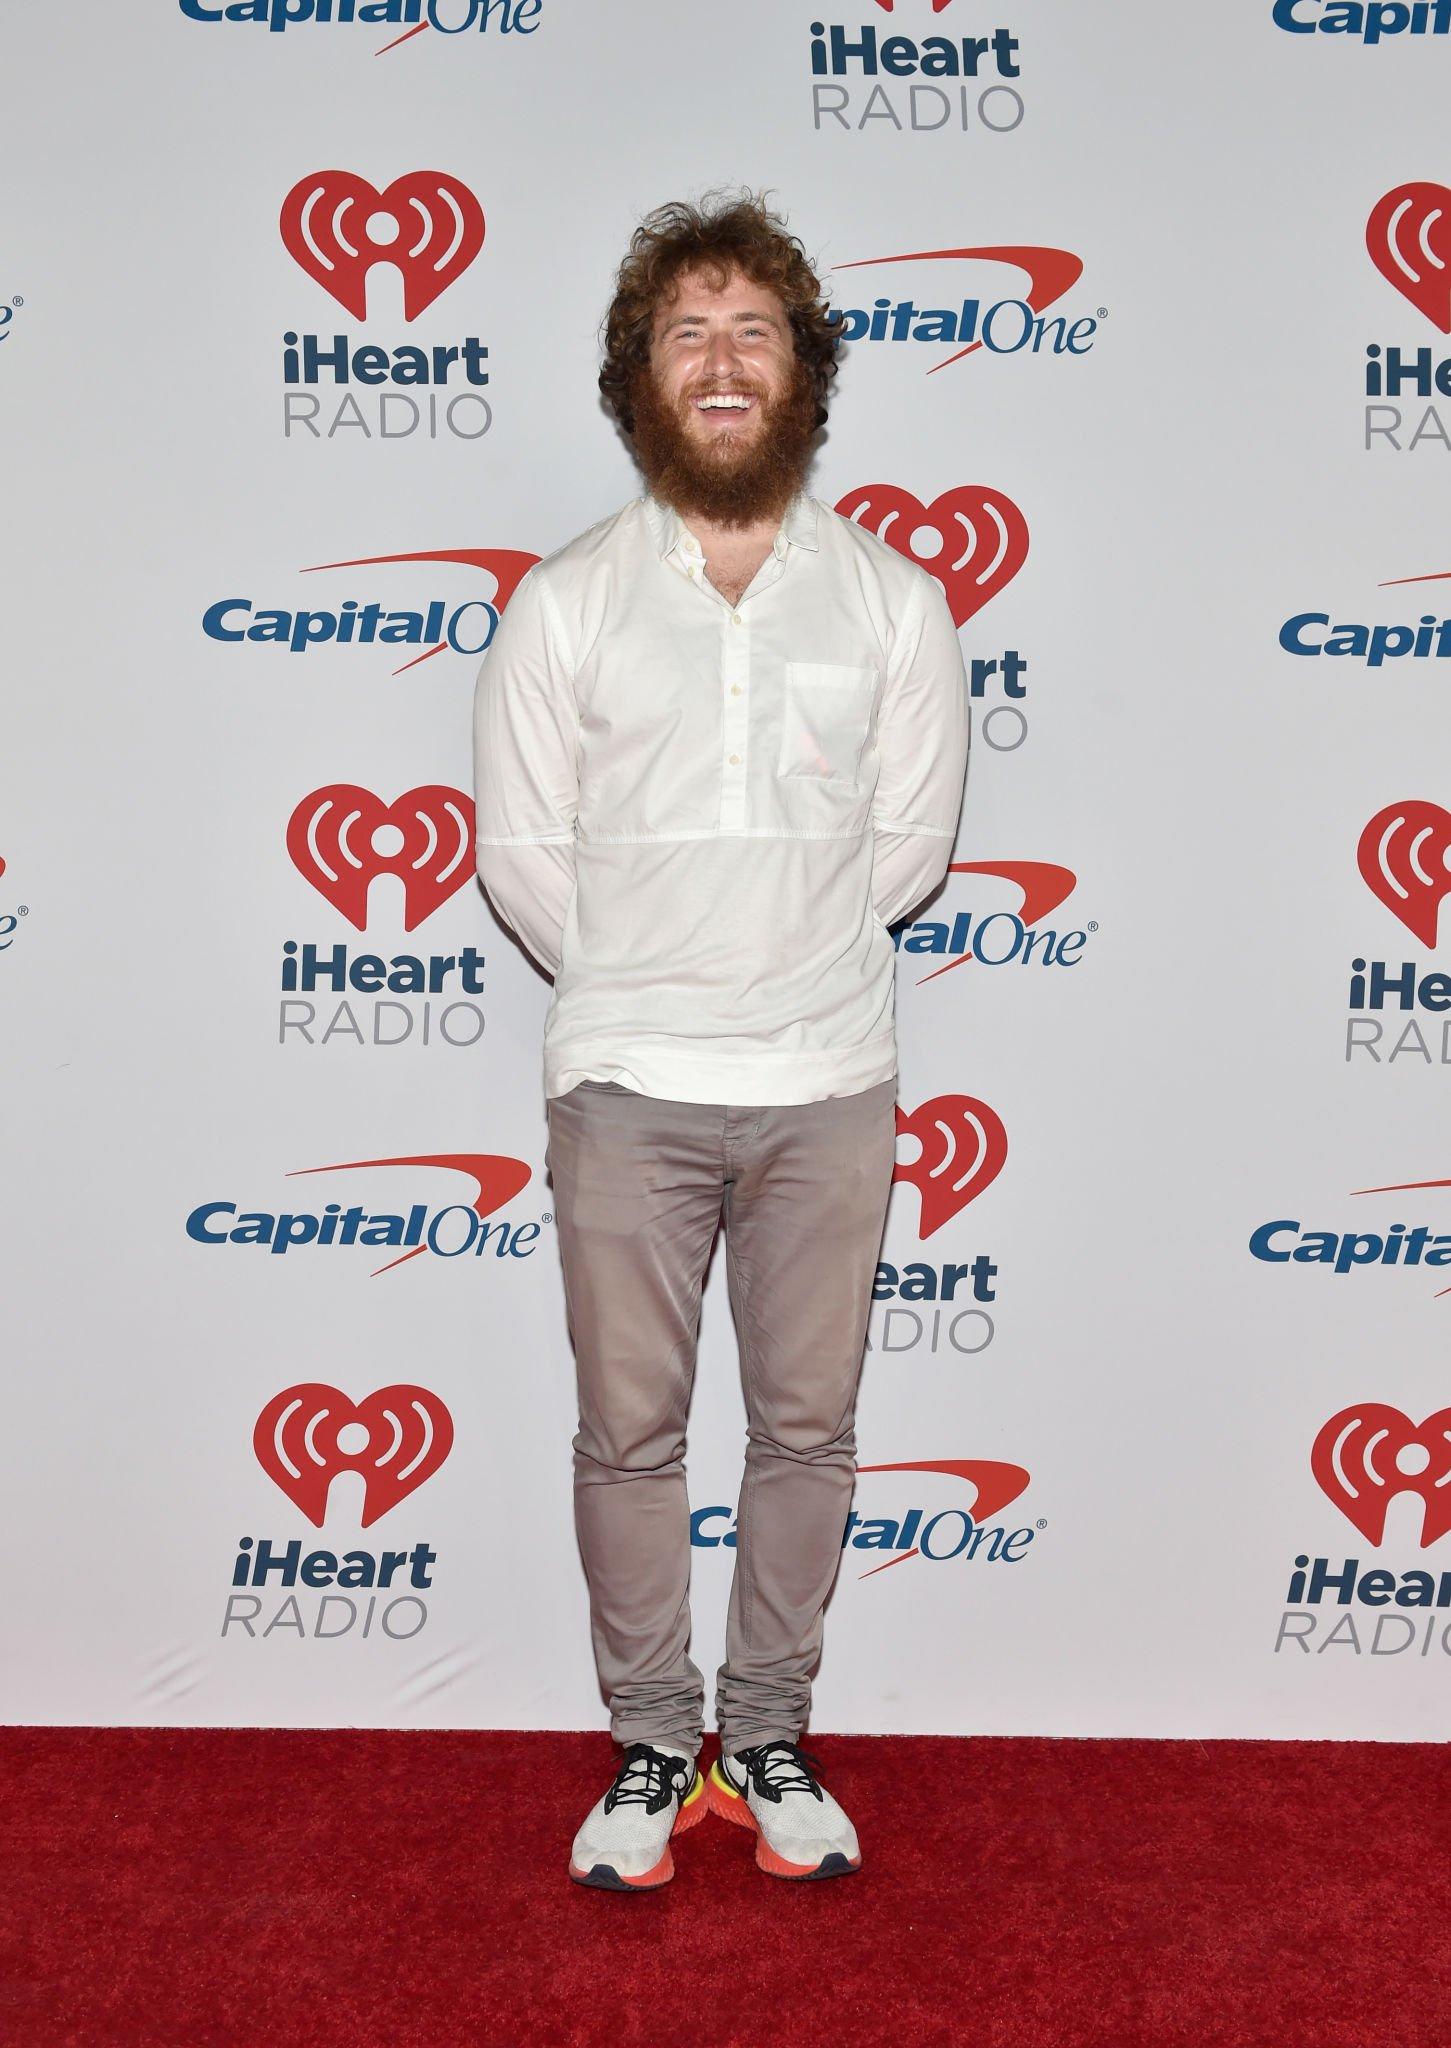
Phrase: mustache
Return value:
(733, 388)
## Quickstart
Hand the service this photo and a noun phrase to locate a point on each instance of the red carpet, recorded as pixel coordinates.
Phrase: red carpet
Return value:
(379, 1890)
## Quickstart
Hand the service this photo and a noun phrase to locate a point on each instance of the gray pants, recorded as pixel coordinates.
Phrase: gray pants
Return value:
(640, 1185)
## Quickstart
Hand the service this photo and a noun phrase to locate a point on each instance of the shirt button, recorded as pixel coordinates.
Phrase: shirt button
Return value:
(735, 760)
(735, 689)
(735, 618)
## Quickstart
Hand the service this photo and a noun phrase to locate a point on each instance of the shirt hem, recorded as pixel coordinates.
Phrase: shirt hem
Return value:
(759, 1079)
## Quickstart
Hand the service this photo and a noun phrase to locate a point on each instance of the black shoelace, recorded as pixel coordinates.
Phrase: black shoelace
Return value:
(777, 1767)
(649, 1778)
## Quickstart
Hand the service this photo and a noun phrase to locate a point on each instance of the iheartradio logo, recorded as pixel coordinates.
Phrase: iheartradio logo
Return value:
(1404, 857)
(1409, 239)
(341, 837)
(973, 539)
(336, 227)
(397, 1438)
(1369, 1453)
(964, 1147)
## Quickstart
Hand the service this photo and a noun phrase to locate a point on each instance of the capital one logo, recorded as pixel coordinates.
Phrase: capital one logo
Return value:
(1409, 239)
(995, 1486)
(1009, 326)
(427, 224)
(964, 1146)
(396, 1439)
(1404, 857)
(939, 1535)
(342, 837)
(1369, 1453)
(507, 566)
(1045, 884)
(972, 539)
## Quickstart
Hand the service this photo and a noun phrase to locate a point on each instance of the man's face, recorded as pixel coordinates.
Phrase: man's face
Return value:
(724, 412)
(718, 357)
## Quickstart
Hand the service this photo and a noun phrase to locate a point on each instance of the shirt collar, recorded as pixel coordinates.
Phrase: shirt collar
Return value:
(798, 526)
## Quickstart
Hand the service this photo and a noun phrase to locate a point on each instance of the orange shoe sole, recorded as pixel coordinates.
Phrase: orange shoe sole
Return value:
(604, 1877)
(724, 1800)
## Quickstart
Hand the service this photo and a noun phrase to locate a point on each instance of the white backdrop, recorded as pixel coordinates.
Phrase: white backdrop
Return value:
(1192, 472)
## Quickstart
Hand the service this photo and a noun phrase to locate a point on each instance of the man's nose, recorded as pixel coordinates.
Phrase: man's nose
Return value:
(722, 358)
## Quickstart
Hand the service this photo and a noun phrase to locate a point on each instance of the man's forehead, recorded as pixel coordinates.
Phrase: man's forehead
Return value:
(698, 291)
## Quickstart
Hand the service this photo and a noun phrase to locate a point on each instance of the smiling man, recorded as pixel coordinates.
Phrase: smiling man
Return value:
(720, 742)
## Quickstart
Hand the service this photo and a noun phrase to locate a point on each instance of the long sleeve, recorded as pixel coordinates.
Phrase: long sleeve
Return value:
(526, 774)
(923, 733)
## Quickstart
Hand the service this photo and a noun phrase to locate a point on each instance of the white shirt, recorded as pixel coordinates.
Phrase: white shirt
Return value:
(701, 818)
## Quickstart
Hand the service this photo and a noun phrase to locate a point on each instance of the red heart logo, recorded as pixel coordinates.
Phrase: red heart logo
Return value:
(427, 224)
(398, 1438)
(1409, 239)
(973, 539)
(1368, 1453)
(333, 837)
(963, 1145)
(1405, 859)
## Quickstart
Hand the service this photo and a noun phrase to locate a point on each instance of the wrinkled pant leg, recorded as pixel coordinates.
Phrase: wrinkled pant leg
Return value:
(637, 1187)
(805, 1208)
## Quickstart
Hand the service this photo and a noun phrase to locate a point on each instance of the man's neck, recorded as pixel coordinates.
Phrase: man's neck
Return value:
(726, 542)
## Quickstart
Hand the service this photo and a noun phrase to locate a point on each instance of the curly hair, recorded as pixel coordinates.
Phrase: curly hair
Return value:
(717, 236)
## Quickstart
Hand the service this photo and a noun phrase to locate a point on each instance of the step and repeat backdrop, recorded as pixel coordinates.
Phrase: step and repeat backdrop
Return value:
(1149, 362)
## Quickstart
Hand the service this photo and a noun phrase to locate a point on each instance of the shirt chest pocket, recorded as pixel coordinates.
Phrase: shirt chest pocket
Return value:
(826, 709)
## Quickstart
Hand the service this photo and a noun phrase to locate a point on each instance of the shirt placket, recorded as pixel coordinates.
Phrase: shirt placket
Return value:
(735, 671)
(735, 680)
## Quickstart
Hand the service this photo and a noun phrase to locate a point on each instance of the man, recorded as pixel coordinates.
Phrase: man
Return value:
(720, 741)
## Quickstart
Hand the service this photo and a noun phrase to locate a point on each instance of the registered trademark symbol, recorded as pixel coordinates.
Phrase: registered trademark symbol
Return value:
(1103, 312)
(24, 910)
(1042, 1525)
(1093, 924)
(17, 300)
(547, 1217)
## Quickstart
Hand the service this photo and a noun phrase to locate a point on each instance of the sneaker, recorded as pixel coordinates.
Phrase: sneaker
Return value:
(800, 1829)
(624, 1845)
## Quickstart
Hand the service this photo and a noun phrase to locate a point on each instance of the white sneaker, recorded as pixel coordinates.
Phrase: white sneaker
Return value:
(624, 1845)
(800, 1829)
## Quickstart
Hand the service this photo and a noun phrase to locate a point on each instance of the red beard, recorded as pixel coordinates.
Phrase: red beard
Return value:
(720, 484)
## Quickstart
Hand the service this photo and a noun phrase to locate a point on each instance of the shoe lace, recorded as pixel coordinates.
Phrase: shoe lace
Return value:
(647, 1777)
(779, 1767)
